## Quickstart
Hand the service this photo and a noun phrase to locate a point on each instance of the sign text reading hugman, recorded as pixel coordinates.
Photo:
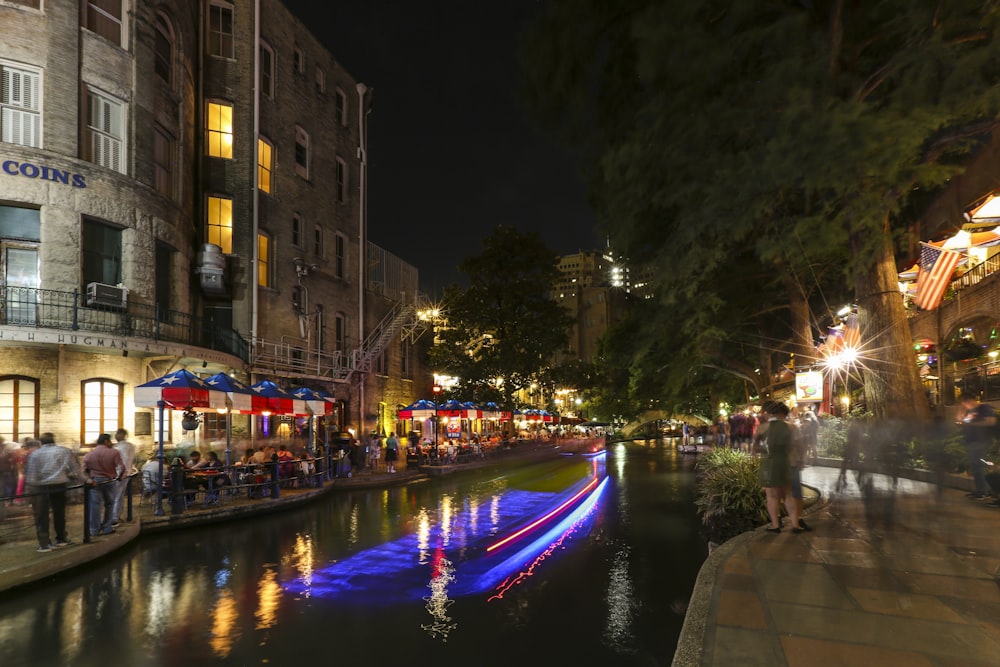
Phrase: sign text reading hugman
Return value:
(29, 170)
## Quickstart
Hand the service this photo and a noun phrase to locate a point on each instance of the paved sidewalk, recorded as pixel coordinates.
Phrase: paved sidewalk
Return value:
(890, 577)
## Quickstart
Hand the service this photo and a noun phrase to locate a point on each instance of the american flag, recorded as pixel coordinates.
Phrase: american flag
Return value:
(936, 268)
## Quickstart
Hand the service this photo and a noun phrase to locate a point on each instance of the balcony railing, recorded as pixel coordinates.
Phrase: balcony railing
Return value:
(49, 309)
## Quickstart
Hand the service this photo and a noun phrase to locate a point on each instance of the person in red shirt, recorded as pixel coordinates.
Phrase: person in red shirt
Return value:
(103, 467)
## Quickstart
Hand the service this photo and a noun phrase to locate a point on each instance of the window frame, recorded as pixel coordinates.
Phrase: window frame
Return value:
(302, 145)
(343, 180)
(265, 165)
(96, 136)
(164, 36)
(318, 243)
(266, 73)
(215, 232)
(96, 261)
(265, 264)
(299, 60)
(320, 81)
(164, 173)
(91, 23)
(340, 107)
(339, 256)
(340, 331)
(216, 40)
(22, 108)
(14, 431)
(297, 229)
(217, 131)
(104, 423)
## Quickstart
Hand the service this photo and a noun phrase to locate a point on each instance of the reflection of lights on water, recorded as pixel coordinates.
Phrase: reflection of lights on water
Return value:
(301, 559)
(620, 600)
(473, 514)
(224, 625)
(268, 598)
(556, 536)
(545, 518)
(494, 514)
(352, 531)
(423, 535)
(71, 630)
(518, 578)
(159, 615)
(442, 574)
(447, 514)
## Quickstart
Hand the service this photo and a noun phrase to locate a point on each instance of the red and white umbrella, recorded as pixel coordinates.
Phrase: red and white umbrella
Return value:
(180, 390)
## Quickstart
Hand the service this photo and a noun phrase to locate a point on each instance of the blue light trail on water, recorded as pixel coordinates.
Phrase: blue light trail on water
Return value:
(449, 556)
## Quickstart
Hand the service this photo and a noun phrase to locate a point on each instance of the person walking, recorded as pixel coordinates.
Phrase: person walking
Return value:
(103, 467)
(391, 452)
(977, 420)
(374, 451)
(47, 472)
(127, 451)
(776, 469)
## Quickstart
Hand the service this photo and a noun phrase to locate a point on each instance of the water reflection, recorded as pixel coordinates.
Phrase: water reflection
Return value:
(442, 574)
(414, 558)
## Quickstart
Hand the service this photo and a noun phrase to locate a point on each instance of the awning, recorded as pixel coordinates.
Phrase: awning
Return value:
(180, 390)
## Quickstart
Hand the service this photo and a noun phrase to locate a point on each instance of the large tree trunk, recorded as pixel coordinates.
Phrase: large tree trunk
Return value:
(891, 382)
(802, 338)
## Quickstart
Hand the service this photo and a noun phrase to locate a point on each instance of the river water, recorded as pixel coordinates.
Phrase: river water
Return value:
(576, 560)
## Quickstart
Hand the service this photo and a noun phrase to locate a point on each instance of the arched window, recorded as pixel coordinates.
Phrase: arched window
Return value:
(102, 408)
(163, 49)
(18, 407)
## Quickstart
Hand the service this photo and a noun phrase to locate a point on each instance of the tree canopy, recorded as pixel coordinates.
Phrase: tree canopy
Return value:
(503, 329)
(757, 159)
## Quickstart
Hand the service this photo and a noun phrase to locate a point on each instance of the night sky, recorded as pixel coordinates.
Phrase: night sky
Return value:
(451, 151)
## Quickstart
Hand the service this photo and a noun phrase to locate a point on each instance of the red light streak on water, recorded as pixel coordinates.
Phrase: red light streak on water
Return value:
(512, 581)
(537, 522)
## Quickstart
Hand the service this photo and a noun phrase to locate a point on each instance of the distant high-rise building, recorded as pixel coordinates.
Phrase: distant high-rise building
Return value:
(593, 290)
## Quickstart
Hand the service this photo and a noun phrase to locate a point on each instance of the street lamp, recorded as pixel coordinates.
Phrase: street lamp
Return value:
(436, 390)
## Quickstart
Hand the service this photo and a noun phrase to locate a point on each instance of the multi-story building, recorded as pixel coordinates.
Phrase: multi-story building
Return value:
(593, 291)
(182, 185)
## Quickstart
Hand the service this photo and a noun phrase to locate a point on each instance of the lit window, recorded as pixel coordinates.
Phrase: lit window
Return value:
(301, 152)
(18, 407)
(20, 106)
(220, 223)
(264, 165)
(263, 260)
(163, 49)
(105, 131)
(220, 130)
(266, 70)
(101, 409)
(220, 30)
(104, 17)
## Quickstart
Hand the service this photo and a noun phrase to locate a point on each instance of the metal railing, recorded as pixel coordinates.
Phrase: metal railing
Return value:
(51, 309)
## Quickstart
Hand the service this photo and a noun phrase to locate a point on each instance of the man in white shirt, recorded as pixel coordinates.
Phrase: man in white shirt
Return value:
(127, 451)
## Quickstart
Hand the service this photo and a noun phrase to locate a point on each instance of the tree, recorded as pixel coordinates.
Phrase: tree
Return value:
(503, 329)
(791, 135)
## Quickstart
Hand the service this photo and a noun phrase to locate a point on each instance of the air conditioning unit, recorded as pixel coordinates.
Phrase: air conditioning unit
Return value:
(107, 296)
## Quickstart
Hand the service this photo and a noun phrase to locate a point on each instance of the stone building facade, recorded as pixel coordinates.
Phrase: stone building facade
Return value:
(181, 186)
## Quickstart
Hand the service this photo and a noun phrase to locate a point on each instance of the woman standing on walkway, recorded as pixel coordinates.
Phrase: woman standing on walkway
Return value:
(776, 469)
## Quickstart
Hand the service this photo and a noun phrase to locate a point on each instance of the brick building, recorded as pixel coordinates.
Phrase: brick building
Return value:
(182, 186)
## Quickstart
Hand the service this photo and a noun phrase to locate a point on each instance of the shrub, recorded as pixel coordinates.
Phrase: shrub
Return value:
(730, 498)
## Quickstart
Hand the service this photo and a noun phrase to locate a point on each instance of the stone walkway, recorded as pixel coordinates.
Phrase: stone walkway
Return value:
(892, 576)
